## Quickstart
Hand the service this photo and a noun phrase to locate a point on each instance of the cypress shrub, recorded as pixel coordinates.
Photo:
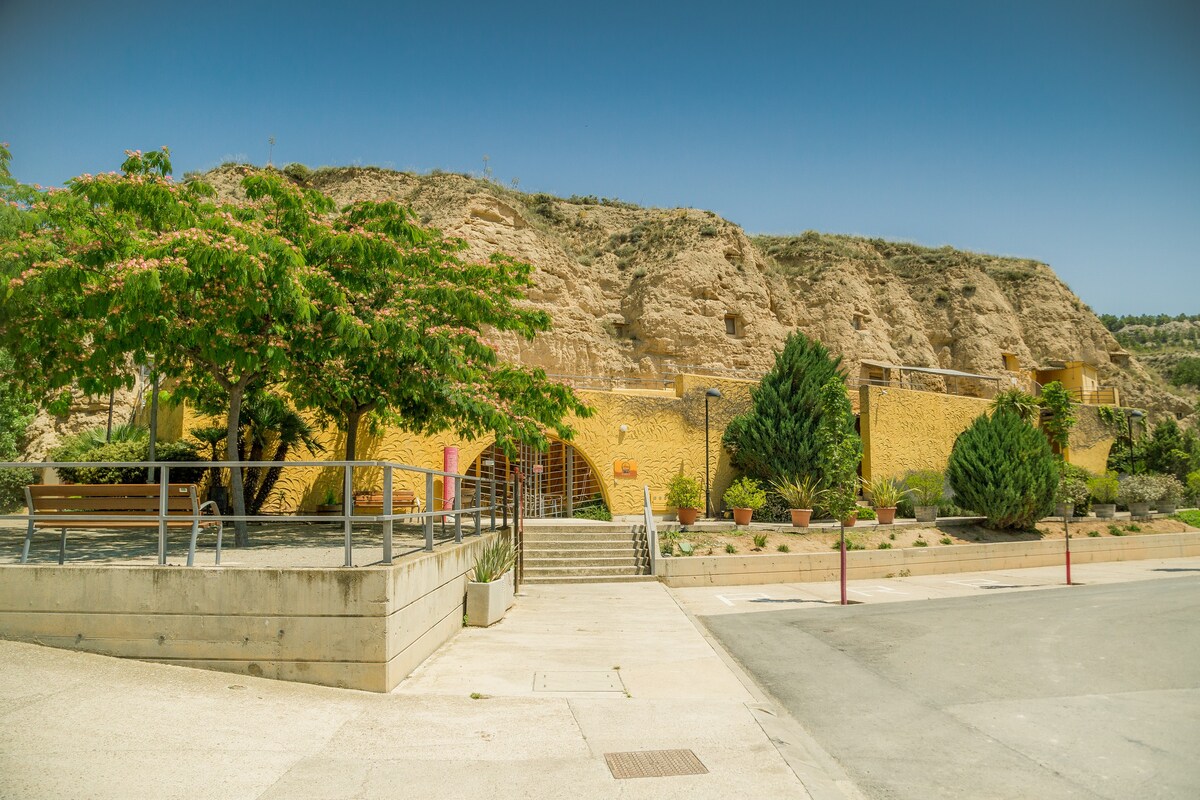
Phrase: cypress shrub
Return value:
(777, 437)
(1003, 469)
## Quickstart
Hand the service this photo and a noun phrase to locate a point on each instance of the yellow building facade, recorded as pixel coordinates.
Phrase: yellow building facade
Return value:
(638, 438)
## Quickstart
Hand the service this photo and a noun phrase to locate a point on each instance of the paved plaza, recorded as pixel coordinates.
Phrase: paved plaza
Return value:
(993, 690)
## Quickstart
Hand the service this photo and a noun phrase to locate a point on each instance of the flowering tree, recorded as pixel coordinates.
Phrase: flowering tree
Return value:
(278, 289)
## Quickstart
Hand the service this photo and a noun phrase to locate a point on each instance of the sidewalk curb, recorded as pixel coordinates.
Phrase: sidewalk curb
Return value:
(821, 775)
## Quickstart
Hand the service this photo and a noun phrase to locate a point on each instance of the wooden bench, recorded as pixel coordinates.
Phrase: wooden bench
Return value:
(401, 499)
(129, 500)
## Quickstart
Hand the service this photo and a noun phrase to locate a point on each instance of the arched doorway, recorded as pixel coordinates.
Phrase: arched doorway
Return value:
(557, 483)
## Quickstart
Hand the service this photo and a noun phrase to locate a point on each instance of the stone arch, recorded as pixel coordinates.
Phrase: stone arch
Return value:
(567, 482)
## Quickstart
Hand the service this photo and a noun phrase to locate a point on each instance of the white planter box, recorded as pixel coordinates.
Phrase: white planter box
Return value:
(487, 602)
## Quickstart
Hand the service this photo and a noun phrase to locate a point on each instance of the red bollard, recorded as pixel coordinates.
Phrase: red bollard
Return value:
(844, 565)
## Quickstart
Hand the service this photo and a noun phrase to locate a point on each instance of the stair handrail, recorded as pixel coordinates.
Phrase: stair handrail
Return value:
(651, 531)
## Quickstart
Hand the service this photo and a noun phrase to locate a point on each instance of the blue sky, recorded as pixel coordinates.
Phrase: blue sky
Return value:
(1063, 131)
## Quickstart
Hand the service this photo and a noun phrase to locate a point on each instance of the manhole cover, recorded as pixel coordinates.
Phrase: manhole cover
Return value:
(594, 681)
(654, 764)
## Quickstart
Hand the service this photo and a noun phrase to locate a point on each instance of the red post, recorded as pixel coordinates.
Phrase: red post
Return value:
(844, 564)
(1067, 530)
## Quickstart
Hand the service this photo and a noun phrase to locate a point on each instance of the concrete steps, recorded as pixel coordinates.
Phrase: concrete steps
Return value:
(585, 554)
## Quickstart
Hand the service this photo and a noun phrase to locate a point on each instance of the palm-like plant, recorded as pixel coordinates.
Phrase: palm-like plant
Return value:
(797, 492)
(884, 492)
(1023, 404)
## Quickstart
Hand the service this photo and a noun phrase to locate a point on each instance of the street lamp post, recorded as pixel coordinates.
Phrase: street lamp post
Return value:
(1129, 418)
(707, 463)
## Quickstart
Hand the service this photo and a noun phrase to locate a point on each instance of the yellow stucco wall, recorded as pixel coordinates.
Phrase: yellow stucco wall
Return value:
(905, 430)
(1090, 440)
(665, 436)
(902, 430)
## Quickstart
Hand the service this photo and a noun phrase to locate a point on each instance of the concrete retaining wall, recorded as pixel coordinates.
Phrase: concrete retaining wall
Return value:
(807, 567)
(364, 628)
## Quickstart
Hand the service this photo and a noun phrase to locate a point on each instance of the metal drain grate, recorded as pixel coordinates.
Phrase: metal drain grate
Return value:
(654, 764)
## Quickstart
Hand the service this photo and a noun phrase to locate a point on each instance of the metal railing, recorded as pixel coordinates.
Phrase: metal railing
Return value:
(1102, 396)
(651, 530)
(427, 517)
(610, 382)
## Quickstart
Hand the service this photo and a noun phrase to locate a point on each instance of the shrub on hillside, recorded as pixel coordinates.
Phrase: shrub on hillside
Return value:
(1002, 468)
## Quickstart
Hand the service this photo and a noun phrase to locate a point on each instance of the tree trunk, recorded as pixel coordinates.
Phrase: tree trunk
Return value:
(353, 418)
(236, 491)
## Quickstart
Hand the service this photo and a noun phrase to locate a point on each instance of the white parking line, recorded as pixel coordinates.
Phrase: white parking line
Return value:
(975, 583)
(867, 591)
(728, 599)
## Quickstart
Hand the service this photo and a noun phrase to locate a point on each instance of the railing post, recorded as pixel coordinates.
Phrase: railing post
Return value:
(504, 502)
(429, 512)
(492, 499)
(347, 510)
(457, 509)
(387, 512)
(518, 529)
(164, 494)
(478, 513)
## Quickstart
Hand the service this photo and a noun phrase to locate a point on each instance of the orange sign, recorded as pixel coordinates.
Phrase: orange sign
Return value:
(624, 468)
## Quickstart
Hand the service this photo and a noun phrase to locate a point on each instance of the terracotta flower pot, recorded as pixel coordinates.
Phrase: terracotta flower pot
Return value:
(850, 520)
(886, 515)
(687, 516)
(741, 516)
(801, 517)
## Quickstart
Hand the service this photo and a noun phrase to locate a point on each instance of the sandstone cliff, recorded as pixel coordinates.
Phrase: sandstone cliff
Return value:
(647, 292)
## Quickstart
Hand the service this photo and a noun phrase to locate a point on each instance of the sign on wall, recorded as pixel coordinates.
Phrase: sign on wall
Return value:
(624, 468)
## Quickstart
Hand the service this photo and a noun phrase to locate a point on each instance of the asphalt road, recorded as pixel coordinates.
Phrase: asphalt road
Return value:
(1079, 692)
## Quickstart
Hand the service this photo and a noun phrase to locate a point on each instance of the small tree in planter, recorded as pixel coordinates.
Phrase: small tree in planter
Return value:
(885, 494)
(801, 496)
(840, 451)
(684, 493)
(928, 488)
(1072, 497)
(1193, 487)
(1003, 468)
(1103, 489)
(1171, 493)
(1137, 493)
(490, 588)
(745, 497)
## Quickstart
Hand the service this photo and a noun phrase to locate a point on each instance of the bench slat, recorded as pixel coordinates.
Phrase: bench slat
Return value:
(148, 504)
(106, 489)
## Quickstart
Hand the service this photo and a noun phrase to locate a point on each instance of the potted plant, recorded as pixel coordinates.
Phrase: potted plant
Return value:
(928, 489)
(801, 495)
(884, 493)
(1137, 493)
(1103, 489)
(1170, 493)
(331, 504)
(490, 589)
(1071, 493)
(745, 497)
(684, 493)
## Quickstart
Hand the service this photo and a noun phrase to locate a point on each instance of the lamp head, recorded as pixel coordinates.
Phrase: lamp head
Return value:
(1136, 414)
(714, 392)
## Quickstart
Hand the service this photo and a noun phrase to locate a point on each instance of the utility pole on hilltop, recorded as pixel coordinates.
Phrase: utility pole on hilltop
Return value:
(270, 149)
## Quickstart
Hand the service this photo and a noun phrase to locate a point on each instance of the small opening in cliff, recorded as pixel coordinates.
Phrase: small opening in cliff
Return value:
(733, 325)
(621, 330)
(859, 322)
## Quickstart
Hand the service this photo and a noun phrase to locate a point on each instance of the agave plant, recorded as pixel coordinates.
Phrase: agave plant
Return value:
(799, 492)
(494, 560)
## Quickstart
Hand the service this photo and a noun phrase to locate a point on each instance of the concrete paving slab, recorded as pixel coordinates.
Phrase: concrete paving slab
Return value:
(114, 728)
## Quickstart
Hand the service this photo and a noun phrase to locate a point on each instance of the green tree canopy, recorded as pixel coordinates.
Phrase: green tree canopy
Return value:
(1003, 468)
(839, 448)
(278, 289)
(777, 437)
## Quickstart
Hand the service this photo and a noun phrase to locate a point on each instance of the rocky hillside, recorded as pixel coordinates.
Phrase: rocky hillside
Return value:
(647, 292)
